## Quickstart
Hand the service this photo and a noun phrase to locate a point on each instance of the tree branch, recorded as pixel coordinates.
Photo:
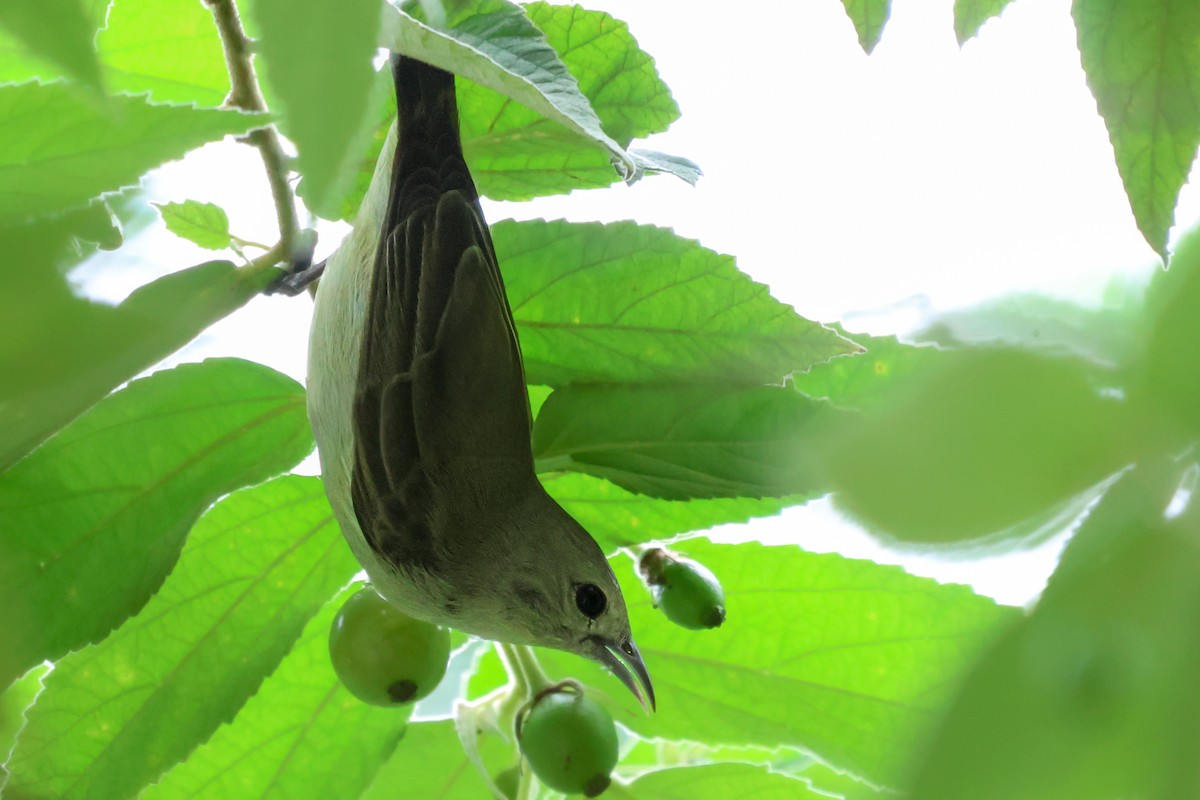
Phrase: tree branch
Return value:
(245, 94)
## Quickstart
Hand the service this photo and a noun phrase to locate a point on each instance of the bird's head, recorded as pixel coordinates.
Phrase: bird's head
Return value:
(560, 592)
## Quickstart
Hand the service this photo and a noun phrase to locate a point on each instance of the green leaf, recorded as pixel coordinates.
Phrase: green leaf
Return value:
(1094, 694)
(15, 702)
(871, 378)
(59, 150)
(721, 782)
(868, 660)
(618, 518)
(319, 64)
(1168, 369)
(969, 16)
(869, 17)
(985, 440)
(682, 441)
(494, 44)
(169, 49)
(255, 568)
(1143, 66)
(517, 153)
(63, 353)
(204, 224)
(430, 763)
(302, 736)
(18, 63)
(633, 303)
(57, 30)
(95, 517)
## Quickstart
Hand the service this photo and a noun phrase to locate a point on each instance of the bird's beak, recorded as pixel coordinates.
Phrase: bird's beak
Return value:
(624, 660)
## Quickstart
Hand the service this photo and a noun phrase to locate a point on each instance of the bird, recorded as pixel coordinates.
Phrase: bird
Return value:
(418, 403)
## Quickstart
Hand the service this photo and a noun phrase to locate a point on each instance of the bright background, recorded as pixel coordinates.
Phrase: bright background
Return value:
(876, 191)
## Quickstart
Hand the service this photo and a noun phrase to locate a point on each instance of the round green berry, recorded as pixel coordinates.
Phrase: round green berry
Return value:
(508, 781)
(686, 591)
(570, 741)
(383, 656)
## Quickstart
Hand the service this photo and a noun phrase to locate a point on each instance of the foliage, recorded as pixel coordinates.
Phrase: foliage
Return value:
(153, 549)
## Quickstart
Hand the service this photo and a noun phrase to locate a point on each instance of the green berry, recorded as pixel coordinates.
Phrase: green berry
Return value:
(385, 657)
(686, 591)
(570, 742)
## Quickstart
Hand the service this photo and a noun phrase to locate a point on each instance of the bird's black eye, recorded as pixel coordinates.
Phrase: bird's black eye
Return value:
(590, 600)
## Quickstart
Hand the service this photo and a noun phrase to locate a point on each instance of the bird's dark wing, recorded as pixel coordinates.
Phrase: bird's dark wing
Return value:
(441, 414)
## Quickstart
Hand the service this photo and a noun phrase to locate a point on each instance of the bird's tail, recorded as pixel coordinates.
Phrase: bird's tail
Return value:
(427, 113)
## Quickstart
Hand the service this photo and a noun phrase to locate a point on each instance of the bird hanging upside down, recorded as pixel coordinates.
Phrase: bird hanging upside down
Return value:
(418, 402)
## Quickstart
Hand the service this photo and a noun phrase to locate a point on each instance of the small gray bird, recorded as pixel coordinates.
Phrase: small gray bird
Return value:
(417, 397)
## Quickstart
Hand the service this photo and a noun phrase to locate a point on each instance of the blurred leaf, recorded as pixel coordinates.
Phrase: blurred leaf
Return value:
(633, 303)
(170, 49)
(682, 441)
(95, 517)
(721, 782)
(1094, 695)
(1169, 368)
(969, 16)
(1142, 65)
(60, 150)
(430, 763)
(618, 518)
(869, 17)
(318, 62)
(57, 30)
(987, 439)
(255, 568)
(869, 379)
(1104, 335)
(494, 44)
(301, 737)
(870, 656)
(204, 224)
(18, 63)
(63, 353)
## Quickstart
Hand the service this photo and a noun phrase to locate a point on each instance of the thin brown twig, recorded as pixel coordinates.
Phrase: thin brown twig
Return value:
(245, 94)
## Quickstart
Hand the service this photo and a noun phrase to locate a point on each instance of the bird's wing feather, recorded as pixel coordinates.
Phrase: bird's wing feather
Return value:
(441, 414)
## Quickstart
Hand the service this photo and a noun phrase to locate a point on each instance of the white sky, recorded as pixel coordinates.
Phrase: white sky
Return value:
(923, 176)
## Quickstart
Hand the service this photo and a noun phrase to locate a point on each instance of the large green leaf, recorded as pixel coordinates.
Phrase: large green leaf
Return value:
(721, 782)
(57, 30)
(94, 519)
(15, 702)
(255, 568)
(516, 153)
(302, 737)
(63, 353)
(634, 303)
(619, 518)
(430, 764)
(58, 149)
(850, 660)
(19, 62)
(319, 64)
(1094, 695)
(1143, 66)
(684, 441)
(985, 440)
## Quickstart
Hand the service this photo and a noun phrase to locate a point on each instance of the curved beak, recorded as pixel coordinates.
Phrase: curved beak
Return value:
(624, 660)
